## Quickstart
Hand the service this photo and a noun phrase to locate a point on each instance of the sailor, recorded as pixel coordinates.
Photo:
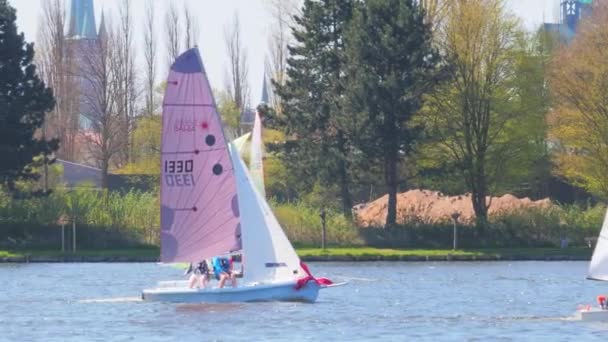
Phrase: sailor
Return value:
(199, 275)
(222, 267)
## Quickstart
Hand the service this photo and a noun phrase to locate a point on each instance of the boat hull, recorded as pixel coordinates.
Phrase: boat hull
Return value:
(592, 315)
(285, 291)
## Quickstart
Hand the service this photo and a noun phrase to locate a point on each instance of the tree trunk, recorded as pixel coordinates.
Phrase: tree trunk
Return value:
(479, 192)
(347, 199)
(104, 174)
(390, 174)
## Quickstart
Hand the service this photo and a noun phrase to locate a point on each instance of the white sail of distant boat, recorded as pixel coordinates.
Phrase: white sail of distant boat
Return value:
(256, 164)
(598, 267)
(210, 205)
(598, 270)
(239, 143)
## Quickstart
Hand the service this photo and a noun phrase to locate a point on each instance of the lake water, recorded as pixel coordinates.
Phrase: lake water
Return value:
(393, 301)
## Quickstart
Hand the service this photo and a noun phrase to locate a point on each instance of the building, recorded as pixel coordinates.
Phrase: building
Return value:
(572, 12)
(82, 44)
(82, 41)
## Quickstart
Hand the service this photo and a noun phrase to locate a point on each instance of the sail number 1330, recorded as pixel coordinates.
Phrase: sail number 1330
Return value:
(179, 173)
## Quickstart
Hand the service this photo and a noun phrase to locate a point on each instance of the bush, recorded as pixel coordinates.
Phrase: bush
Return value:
(530, 227)
(103, 217)
(302, 224)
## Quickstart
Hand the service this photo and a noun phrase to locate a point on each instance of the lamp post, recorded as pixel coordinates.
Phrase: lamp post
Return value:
(63, 220)
(323, 215)
(455, 216)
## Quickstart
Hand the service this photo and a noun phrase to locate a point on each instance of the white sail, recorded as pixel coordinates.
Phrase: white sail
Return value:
(598, 268)
(267, 253)
(256, 165)
(239, 142)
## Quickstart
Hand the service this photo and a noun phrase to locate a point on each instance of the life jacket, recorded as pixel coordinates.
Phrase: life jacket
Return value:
(220, 265)
(202, 268)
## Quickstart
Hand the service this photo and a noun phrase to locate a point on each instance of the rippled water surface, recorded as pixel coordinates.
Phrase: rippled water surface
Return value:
(383, 301)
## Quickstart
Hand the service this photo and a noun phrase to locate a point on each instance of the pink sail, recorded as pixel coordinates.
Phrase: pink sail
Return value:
(199, 204)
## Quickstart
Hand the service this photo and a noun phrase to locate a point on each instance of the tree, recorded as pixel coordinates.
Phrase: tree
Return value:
(436, 11)
(191, 28)
(172, 26)
(127, 91)
(238, 73)
(282, 12)
(392, 65)
(150, 48)
(318, 148)
(146, 152)
(55, 65)
(24, 101)
(100, 71)
(229, 111)
(474, 116)
(579, 122)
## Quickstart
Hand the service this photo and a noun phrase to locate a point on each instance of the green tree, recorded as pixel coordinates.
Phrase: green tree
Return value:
(24, 101)
(318, 149)
(392, 64)
(146, 147)
(229, 111)
(579, 122)
(475, 116)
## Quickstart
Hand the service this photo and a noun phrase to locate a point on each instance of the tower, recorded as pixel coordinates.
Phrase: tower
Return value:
(82, 20)
(82, 50)
(572, 11)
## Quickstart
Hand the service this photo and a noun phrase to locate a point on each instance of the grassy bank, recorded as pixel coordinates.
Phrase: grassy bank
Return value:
(317, 254)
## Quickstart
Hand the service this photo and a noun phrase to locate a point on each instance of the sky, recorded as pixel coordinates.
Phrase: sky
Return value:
(214, 15)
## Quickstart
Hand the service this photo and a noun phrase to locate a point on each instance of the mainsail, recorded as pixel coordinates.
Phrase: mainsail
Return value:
(598, 268)
(199, 205)
(256, 164)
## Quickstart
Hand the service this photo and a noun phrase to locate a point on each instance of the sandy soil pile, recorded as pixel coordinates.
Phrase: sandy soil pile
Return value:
(432, 207)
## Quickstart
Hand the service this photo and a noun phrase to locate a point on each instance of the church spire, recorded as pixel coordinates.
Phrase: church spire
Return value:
(102, 27)
(82, 19)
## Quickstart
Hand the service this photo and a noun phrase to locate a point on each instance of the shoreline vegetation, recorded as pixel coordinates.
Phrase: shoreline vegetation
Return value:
(356, 254)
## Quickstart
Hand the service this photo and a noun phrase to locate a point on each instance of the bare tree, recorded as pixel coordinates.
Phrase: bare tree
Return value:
(172, 27)
(100, 71)
(55, 62)
(127, 94)
(282, 12)
(436, 11)
(191, 28)
(238, 89)
(150, 56)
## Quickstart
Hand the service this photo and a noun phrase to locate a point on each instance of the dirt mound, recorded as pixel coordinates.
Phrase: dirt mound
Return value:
(432, 207)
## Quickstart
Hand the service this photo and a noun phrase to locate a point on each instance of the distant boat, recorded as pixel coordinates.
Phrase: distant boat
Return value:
(256, 156)
(598, 270)
(210, 205)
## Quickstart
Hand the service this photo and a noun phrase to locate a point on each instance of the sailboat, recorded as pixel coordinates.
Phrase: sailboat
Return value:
(210, 205)
(598, 270)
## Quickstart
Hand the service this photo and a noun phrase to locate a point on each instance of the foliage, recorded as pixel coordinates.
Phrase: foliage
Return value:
(24, 101)
(318, 148)
(131, 214)
(229, 111)
(146, 147)
(579, 125)
(392, 64)
(474, 117)
(532, 227)
(302, 224)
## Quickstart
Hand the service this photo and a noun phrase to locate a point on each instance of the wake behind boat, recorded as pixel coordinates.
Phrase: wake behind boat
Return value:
(210, 205)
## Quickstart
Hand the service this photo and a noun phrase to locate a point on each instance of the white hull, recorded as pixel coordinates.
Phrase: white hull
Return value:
(592, 315)
(284, 291)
